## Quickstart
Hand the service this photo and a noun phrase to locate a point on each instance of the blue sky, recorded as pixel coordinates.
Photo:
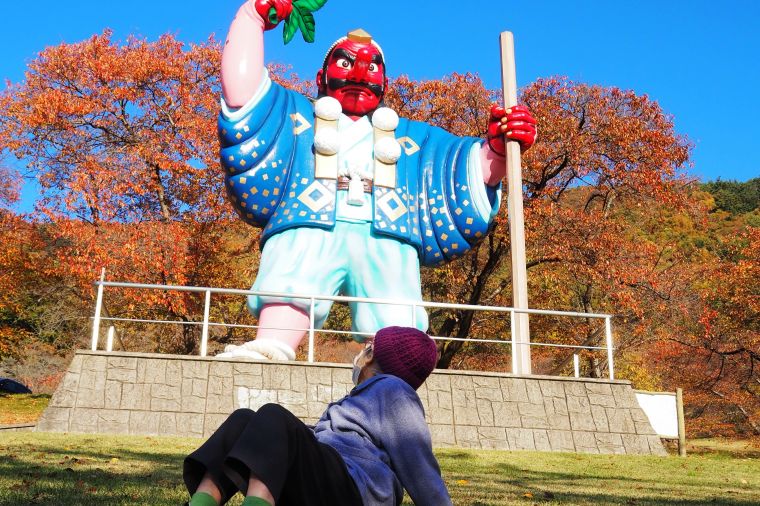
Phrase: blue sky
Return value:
(698, 59)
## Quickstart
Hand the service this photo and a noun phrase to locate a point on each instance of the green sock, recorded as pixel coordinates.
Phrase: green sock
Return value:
(255, 501)
(202, 499)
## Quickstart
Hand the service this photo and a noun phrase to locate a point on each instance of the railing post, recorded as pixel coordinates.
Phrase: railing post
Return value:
(610, 354)
(204, 333)
(577, 365)
(98, 307)
(513, 336)
(109, 339)
(311, 330)
(681, 425)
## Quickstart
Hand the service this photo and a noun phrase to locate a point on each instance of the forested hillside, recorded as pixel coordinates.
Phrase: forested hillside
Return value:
(735, 197)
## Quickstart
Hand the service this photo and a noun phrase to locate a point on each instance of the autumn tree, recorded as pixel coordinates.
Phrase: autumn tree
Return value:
(614, 225)
(120, 138)
(13, 329)
(599, 150)
(715, 353)
(118, 133)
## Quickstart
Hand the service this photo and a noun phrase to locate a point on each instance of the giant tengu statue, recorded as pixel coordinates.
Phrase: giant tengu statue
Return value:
(352, 199)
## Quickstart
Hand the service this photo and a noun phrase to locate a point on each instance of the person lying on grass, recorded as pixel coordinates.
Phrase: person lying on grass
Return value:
(365, 449)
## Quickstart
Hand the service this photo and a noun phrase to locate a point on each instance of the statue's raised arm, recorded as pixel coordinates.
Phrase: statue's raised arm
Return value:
(243, 56)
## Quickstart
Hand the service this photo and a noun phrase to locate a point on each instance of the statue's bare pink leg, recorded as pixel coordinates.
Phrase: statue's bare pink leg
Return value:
(275, 318)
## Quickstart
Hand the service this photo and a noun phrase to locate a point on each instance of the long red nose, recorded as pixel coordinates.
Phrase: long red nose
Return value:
(361, 65)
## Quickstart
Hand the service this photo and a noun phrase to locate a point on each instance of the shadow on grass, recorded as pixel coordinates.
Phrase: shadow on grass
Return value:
(81, 471)
(44, 474)
(156, 456)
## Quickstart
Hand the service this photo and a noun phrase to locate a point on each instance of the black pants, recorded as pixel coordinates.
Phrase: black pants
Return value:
(280, 450)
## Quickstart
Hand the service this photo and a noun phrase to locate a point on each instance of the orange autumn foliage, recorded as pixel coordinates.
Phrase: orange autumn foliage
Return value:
(16, 248)
(119, 133)
(715, 356)
(121, 141)
(600, 152)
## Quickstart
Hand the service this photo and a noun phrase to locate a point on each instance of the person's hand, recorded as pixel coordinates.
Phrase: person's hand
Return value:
(282, 9)
(516, 123)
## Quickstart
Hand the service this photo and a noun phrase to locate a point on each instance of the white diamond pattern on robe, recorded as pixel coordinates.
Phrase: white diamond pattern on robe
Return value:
(316, 196)
(392, 205)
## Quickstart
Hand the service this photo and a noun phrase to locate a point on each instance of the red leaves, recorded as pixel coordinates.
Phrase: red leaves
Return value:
(713, 350)
(119, 132)
(10, 186)
(122, 139)
(606, 137)
(458, 103)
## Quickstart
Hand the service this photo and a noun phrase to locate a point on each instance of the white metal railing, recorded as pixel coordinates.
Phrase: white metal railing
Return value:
(312, 298)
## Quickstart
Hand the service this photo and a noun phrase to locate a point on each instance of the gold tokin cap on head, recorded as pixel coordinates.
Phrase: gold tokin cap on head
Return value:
(359, 36)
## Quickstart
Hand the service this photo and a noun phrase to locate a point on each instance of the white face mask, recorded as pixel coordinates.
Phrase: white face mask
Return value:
(357, 368)
(356, 372)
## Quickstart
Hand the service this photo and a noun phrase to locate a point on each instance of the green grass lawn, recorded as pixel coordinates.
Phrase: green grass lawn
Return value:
(22, 408)
(79, 469)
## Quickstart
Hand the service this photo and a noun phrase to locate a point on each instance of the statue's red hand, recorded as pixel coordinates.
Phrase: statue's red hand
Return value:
(517, 123)
(282, 8)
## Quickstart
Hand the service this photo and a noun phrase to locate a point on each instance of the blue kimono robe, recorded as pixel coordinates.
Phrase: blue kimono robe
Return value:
(439, 204)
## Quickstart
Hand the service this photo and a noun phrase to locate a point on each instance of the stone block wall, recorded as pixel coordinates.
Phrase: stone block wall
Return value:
(132, 393)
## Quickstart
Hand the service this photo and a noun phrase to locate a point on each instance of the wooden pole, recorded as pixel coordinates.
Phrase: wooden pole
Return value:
(521, 336)
(681, 424)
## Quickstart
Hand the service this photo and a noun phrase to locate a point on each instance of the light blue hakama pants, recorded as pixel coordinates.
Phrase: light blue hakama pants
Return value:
(348, 260)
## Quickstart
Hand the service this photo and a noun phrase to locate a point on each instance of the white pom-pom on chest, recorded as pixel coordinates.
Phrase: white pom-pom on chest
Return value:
(328, 108)
(387, 150)
(385, 118)
(327, 138)
(327, 141)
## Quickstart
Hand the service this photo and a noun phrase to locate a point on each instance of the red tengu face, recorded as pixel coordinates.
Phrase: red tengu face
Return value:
(354, 74)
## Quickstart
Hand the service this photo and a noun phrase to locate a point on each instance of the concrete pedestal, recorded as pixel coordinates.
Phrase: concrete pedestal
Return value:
(135, 393)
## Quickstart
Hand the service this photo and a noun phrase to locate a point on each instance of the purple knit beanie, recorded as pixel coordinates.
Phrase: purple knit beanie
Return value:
(405, 352)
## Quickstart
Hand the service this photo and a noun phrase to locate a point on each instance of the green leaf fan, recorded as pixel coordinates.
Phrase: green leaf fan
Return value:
(300, 19)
